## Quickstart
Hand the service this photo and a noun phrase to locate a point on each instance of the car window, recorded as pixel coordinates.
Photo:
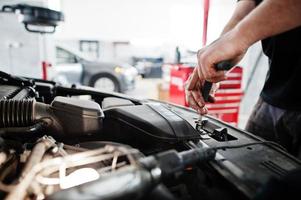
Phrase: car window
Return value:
(64, 56)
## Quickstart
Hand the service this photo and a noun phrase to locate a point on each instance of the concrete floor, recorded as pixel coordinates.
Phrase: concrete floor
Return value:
(146, 88)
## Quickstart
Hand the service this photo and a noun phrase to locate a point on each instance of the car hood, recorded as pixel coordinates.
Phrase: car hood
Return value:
(149, 126)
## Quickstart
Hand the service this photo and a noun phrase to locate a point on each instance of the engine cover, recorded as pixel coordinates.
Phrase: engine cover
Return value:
(147, 125)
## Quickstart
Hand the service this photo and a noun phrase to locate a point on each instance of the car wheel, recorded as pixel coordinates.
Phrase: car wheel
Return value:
(105, 82)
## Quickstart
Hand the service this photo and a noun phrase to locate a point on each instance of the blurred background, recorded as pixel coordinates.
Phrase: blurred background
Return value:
(143, 48)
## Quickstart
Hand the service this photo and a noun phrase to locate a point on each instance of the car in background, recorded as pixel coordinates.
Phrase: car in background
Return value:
(147, 65)
(74, 67)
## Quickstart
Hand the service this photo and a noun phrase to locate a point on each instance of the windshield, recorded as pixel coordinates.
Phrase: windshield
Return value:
(66, 54)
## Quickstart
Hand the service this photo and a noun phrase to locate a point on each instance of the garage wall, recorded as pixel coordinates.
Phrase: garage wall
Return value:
(151, 22)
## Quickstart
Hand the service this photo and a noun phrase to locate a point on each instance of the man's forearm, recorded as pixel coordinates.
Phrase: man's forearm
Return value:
(243, 8)
(271, 17)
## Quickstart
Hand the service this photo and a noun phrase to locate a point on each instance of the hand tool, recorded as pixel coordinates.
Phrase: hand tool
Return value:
(205, 90)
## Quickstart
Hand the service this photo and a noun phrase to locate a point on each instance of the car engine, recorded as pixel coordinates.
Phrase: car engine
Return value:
(80, 143)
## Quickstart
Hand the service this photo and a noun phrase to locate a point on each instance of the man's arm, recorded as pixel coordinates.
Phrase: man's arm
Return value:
(271, 17)
(243, 8)
(193, 97)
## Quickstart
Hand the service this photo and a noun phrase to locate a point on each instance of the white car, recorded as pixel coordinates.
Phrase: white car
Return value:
(74, 67)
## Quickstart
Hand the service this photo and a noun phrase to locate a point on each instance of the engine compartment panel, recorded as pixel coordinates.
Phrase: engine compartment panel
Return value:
(238, 171)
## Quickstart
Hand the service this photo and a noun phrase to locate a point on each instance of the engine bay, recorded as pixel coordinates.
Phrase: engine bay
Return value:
(80, 143)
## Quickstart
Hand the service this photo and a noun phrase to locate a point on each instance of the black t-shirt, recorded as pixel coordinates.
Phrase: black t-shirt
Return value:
(283, 83)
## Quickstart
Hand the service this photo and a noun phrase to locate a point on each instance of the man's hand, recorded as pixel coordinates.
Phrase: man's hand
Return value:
(193, 93)
(193, 87)
(227, 47)
(196, 80)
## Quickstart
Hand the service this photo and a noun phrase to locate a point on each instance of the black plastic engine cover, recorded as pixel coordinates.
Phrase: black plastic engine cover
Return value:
(149, 125)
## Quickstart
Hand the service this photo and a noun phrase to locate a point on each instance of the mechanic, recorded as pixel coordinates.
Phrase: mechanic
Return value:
(277, 114)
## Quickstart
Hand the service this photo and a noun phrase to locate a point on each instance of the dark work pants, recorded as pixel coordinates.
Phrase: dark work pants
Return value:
(275, 124)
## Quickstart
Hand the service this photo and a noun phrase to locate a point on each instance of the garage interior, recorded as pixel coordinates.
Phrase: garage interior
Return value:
(93, 104)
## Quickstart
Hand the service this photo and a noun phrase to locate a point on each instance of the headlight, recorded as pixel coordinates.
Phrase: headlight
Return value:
(119, 70)
(127, 71)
